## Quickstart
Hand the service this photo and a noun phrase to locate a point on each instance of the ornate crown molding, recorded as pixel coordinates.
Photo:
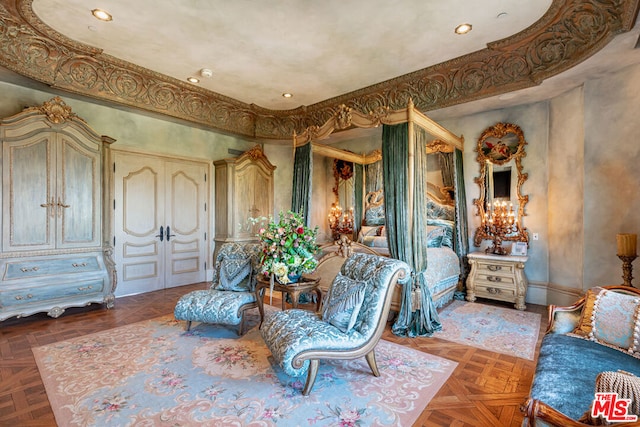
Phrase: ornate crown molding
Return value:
(570, 32)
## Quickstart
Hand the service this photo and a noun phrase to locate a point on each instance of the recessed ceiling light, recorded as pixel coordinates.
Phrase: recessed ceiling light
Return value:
(287, 95)
(102, 15)
(205, 72)
(463, 29)
(193, 80)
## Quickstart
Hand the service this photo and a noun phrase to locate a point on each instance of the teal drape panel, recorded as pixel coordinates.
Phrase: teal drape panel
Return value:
(407, 241)
(462, 236)
(302, 178)
(373, 177)
(358, 177)
(448, 169)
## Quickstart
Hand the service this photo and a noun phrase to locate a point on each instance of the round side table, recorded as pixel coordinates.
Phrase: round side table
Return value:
(305, 284)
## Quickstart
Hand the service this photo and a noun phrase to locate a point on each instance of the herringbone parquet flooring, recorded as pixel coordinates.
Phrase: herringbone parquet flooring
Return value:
(486, 388)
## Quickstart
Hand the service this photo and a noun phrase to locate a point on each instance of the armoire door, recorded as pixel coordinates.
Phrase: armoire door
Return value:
(160, 222)
(52, 184)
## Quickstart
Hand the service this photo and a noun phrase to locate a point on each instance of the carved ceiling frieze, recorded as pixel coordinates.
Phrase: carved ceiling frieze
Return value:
(570, 31)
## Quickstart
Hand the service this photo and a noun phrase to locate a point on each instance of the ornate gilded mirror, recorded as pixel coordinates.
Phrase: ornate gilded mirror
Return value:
(501, 205)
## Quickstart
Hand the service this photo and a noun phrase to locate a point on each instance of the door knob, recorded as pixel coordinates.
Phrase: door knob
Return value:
(169, 235)
(161, 235)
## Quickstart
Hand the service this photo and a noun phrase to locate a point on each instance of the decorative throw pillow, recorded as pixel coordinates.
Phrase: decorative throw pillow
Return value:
(235, 274)
(435, 235)
(584, 326)
(343, 302)
(611, 318)
(625, 384)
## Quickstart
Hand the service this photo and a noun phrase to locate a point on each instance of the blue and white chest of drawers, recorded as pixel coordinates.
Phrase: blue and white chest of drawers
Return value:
(53, 283)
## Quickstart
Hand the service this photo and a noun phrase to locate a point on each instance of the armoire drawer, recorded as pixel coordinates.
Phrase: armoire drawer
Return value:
(47, 267)
(13, 297)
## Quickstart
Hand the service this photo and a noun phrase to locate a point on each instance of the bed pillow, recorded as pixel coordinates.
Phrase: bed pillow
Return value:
(374, 216)
(448, 226)
(342, 306)
(435, 235)
(235, 274)
(612, 319)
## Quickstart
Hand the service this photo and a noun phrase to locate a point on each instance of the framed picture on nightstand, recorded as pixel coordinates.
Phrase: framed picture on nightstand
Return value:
(519, 248)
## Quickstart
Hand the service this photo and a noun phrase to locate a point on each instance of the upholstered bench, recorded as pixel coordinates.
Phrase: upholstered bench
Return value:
(597, 334)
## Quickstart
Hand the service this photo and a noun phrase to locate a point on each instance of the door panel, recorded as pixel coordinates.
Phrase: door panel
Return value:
(160, 227)
(185, 215)
(139, 214)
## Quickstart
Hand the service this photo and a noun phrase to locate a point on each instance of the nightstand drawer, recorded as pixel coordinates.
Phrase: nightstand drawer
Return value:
(36, 294)
(495, 280)
(494, 292)
(495, 269)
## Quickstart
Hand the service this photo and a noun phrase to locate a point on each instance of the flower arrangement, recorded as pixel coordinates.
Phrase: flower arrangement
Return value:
(288, 247)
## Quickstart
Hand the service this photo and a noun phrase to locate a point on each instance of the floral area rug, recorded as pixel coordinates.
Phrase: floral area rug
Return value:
(153, 373)
(498, 329)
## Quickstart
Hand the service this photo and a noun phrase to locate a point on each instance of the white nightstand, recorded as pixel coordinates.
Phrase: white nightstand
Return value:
(498, 277)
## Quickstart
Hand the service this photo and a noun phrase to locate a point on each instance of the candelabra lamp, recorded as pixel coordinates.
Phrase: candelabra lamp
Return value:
(340, 222)
(627, 244)
(498, 222)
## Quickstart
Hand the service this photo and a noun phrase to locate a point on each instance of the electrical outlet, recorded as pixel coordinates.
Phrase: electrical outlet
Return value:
(535, 236)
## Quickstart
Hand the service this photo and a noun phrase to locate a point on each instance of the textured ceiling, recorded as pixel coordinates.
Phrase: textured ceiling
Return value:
(316, 50)
(328, 54)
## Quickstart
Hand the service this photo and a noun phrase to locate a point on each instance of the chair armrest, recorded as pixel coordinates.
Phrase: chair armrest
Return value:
(564, 319)
(538, 414)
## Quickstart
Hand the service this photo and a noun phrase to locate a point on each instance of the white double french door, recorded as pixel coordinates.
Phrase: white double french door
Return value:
(160, 222)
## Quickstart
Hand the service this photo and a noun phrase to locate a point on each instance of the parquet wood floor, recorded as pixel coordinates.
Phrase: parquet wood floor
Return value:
(486, 389)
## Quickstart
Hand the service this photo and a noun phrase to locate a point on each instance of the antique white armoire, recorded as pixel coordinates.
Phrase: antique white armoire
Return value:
(244, 191)
(54, 251)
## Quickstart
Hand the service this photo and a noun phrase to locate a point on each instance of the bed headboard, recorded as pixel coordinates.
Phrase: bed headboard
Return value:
(440, 205)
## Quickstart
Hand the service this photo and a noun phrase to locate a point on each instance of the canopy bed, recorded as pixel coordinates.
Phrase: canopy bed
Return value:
(405, 204)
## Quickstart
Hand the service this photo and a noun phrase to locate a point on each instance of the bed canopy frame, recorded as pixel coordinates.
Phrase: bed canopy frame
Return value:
(424, 321)
(346, 118)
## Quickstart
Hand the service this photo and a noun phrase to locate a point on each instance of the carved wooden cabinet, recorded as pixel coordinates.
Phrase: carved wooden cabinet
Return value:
(498, 277)
(52, 255)
(243, 190)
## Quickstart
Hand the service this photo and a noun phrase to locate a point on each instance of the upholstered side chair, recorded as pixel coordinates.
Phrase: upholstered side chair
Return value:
(232, 289)
(349, 325)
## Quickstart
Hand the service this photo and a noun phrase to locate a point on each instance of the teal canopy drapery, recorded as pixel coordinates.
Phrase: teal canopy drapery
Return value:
(358, 171)
(462, 236)
(302, 178)
(406, 230)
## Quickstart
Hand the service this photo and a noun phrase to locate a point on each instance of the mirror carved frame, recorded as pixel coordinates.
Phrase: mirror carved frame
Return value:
(492, 149)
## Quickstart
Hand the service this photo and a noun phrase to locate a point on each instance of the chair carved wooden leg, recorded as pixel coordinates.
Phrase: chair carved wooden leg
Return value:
(188, 326)
(311, 376)
(371, 360)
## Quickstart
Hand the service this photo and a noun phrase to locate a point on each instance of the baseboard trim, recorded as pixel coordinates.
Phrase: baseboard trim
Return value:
(548, 293)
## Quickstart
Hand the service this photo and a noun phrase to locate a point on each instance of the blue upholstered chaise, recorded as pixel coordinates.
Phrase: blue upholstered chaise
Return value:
(564, 382)
(231, 292)
(298, 339)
